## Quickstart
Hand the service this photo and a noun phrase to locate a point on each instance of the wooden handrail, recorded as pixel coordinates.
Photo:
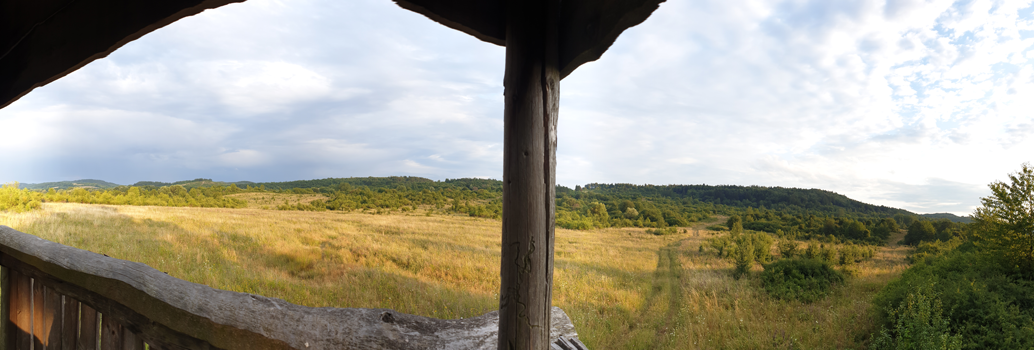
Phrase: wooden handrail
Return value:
(52, 294)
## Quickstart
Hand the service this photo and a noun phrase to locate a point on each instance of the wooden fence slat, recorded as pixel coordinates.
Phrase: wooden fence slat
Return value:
(69, 322)
(111, 333)
(131, 341)
(87, 328)
(38, 318)
(51, 331)
(5, 307)
(20, 316)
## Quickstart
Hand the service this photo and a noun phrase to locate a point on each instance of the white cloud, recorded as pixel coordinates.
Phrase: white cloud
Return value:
(870, 98)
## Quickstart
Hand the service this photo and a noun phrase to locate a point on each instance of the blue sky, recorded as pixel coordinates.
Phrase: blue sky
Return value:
(911, 104)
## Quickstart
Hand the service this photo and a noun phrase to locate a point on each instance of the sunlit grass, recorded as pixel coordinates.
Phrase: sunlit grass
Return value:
(623, 288)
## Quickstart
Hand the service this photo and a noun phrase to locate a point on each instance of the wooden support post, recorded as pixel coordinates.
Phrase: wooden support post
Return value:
(532, 84)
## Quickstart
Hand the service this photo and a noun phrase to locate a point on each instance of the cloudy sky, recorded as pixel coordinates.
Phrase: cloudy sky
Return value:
(906, 103)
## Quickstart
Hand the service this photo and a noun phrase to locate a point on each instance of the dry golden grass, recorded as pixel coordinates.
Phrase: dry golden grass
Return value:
(623, 288)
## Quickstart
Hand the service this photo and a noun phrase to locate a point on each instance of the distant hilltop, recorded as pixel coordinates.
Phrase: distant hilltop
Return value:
(64, 185)
(949, 216)
(778, 198)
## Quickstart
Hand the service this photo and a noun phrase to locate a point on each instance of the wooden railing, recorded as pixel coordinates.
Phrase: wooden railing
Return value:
(59, 297)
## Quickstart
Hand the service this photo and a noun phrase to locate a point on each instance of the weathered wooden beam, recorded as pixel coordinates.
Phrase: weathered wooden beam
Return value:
(532, 84)
(169, 313)
(483, 19)
(41, 41)
(586, 30)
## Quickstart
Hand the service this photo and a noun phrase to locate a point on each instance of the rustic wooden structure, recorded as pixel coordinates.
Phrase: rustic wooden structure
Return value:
(546, 40)
(59, 297)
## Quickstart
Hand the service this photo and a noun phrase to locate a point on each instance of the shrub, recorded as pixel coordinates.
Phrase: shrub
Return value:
(13, 199)
(663, 231)
(806, 280)
(743, 259)
(919, 323)
(827, 254)
(812, 252)
(986, 302)
(787, 248)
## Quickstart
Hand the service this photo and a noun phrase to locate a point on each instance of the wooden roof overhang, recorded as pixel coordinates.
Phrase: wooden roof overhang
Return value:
(546, 40)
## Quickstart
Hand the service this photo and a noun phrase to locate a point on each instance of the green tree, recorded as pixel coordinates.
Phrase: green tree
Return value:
(885, 228)
(1006, 219)
(920, 231)
(733, 220)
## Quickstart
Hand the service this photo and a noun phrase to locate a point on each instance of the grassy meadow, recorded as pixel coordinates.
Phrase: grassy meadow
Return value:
(623, 288)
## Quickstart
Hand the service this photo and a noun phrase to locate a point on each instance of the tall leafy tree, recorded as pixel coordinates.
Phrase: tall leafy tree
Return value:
(1006, 219)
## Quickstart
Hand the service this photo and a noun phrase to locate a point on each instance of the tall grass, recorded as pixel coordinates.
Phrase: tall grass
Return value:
(623, 288)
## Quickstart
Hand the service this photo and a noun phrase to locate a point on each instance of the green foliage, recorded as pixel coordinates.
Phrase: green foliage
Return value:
(1006, 220)
(788, 248)
(925, 250)
(663, 231)
(806, 280)
(987, 303)
(918, 323)
(19, 200)
(884, 228)
(920, 231)
(743, 259)
(813, 251)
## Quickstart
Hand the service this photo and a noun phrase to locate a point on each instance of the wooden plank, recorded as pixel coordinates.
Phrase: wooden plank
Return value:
(532, 83)
(131, 341)
(586, 29)
(20, 317)
(87, 328)
(69, 322)
(484, 19)
(5, 307)
(111, 333)
(589, 27)
(38, 318)
(50, 333)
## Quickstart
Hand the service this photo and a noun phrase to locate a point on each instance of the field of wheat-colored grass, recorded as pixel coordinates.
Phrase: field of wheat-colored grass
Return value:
(623, 288)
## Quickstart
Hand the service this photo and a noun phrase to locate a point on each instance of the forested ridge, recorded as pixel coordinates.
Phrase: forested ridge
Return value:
(794, 212)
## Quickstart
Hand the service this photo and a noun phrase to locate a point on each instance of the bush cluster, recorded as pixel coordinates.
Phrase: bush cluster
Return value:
(806, 280)
(15, 200)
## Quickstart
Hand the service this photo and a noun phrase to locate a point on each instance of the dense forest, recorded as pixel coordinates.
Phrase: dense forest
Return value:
(785, 212)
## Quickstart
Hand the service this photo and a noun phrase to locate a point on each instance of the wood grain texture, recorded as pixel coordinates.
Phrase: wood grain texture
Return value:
(131, 341)
(5, 307)
(529, 161)
(69, 322)
(20, 317)
(174, 314)
(88, 328)
(111, 333)
(50, 333)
